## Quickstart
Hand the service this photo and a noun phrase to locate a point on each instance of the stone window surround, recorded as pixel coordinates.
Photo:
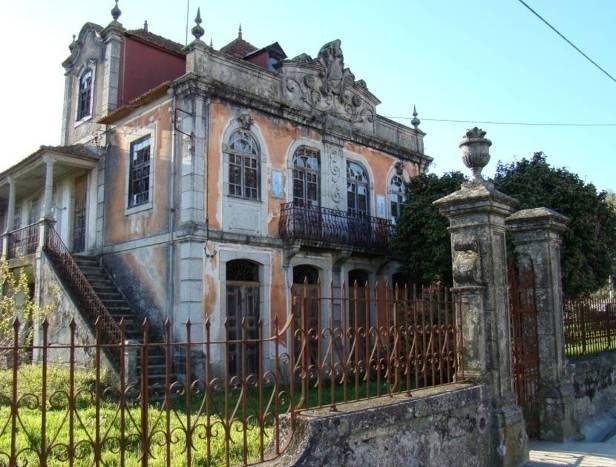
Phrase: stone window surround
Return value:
(90, 66)
(264, 261)
(152, 131)
(391, 174)
(228, 202)
(348, 156)
(293, 147)
(259, 168)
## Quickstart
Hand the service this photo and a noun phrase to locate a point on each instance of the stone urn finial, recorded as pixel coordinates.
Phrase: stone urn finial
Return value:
(476, 152)
(116, 12)
(415, 121)
(197, 30)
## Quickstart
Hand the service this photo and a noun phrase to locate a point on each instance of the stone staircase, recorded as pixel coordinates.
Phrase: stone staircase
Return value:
(119, 308)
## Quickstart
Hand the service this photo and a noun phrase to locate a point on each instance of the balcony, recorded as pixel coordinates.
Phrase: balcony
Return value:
(334, 229)
(22, 242)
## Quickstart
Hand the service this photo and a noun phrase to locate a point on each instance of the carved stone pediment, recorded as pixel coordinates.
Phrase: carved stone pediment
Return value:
(87, 46)
(324, 85)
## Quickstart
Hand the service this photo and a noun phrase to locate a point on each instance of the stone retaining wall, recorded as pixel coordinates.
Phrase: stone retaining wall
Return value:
(594, 382)
(449, 425)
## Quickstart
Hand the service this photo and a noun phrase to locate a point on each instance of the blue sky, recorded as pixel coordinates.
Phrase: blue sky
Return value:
(469, 60)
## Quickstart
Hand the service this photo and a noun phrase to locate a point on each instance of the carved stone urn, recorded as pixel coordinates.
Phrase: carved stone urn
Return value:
(476, 152)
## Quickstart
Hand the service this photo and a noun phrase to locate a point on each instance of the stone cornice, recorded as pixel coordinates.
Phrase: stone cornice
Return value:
(480, 198)
(194, 83)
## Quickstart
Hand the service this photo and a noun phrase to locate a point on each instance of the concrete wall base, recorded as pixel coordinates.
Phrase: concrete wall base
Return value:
(448, 425)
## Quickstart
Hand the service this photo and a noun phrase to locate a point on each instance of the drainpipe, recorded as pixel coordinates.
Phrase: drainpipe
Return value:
(171, 248)
(207, 171)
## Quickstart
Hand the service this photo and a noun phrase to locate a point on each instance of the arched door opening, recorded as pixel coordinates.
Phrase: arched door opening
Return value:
(359, 313)
(242, 281)
(305, 294)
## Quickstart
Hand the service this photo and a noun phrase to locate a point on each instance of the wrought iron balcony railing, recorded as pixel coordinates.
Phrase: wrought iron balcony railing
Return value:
(326, 227)
(23, 241)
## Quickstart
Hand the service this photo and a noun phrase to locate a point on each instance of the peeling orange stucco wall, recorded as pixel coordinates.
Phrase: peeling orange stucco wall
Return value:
(380, 164)
(211, 286)
(275, 137)
(120, 227)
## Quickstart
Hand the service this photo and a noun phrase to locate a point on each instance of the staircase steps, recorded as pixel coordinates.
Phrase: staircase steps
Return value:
(119, 308)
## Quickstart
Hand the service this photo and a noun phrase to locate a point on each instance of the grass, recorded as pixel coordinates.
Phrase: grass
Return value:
(28, 438)
(222, 442)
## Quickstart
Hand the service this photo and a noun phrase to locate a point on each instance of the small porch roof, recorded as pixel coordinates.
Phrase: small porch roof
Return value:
(29, 173)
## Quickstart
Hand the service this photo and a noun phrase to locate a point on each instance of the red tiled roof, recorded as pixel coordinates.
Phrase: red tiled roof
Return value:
(156, 40)
(145, 98)
(238, 48)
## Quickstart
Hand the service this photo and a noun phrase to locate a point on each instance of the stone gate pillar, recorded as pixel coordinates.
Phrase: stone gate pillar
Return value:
(536, 234)
(477, 215)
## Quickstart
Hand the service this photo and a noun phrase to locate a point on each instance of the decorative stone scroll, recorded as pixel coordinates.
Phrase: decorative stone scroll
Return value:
(325, 85)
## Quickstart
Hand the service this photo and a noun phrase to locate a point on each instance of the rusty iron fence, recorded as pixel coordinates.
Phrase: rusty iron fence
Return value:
(590, 326)
(525, 343)
(362, 342)
(319, 225)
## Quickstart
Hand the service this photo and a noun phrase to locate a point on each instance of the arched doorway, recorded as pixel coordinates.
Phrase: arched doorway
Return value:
(306, 310)
(359, 309)
(399, 308)
(359, 313)
(242, 281)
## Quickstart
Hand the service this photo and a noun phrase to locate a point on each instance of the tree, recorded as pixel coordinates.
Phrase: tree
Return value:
(16, 302)
(422, 239)
(589, 245)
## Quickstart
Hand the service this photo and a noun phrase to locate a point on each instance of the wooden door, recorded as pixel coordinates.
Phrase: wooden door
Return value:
(242, 327)
(79, 214)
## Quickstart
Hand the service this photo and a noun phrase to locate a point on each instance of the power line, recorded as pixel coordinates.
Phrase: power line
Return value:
(493, 122)
(568, 41)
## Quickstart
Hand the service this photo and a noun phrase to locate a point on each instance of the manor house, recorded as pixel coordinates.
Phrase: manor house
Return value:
(195, 183)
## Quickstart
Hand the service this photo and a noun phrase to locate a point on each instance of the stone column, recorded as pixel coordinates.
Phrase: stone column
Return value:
(10, 217)
(536, 234)
(10, 212)
(46, 214)
(114, 37)
(48, 193)
(477, 215)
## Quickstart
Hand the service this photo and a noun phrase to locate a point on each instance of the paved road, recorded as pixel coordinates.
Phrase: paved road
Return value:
(575, 453)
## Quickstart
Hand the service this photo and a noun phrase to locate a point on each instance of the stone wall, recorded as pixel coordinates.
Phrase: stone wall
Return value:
(594, 382)
(449, 425)
(53, 293)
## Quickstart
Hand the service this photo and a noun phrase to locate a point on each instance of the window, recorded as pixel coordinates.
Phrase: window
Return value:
(396, 197)
(358, 188)
(139, 173)
(84, 99)
(306, 177)
(244, 166)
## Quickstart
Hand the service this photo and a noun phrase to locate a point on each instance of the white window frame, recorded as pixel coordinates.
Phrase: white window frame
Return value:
(91, 66)
(390, 194)
(152, 132)
(227, 172)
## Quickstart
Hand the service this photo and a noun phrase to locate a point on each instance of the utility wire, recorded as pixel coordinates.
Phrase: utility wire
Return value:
(492, 122)
(568, 41)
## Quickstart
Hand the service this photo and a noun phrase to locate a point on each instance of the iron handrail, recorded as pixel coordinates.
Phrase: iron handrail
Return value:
(88, 302)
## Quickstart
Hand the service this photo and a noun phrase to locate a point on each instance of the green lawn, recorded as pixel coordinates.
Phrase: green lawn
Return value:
(222, 443)
(58, 418)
